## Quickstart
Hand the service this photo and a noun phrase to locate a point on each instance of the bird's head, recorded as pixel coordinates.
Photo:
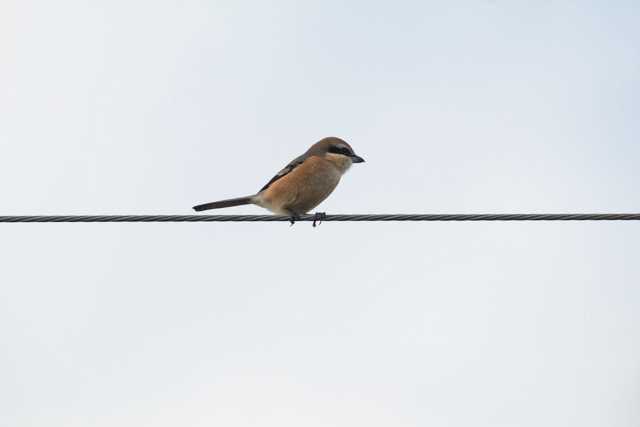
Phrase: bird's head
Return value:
(337, 151)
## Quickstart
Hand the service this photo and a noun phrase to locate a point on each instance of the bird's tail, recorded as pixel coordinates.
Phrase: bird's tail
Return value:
(238, 201)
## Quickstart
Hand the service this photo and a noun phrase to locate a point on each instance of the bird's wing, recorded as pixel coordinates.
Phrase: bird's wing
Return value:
(285, 170)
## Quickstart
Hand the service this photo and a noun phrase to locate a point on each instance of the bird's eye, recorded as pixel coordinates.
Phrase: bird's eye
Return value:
(336, 149)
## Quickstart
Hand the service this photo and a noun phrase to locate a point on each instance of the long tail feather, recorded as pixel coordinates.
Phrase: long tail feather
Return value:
(238, 201)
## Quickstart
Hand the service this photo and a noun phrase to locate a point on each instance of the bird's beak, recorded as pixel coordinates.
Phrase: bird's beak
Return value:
(357, 159)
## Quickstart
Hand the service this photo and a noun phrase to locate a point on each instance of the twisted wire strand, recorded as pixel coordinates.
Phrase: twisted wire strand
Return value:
(327, 218)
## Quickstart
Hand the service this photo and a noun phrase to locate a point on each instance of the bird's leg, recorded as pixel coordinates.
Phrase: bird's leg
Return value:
(293, 218)
(318, 217)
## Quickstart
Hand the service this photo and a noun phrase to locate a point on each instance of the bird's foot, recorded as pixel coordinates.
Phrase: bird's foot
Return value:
(293, 218)
(318, 217)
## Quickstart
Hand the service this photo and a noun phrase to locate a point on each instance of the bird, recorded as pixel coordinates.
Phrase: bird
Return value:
(302, 184)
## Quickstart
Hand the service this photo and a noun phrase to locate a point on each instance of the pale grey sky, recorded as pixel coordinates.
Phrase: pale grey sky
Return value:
(153, 106)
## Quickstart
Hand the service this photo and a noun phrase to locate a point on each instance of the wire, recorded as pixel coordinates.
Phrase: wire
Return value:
(327, 218)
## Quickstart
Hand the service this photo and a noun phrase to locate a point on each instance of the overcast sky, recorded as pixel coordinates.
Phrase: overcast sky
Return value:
(134, 107)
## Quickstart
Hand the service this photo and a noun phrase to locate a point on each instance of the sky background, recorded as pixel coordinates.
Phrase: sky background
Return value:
(149, 107)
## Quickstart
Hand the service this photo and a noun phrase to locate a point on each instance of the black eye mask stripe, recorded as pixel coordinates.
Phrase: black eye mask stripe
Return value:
(340, 150)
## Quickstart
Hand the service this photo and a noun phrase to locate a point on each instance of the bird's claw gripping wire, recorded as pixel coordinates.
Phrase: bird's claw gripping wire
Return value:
(293, 218)
(318, 217)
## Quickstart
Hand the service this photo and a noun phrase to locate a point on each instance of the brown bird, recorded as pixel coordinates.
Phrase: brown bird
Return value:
(302, 184)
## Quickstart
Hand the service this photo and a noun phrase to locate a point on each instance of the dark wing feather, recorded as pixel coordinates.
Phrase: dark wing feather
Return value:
(291, 166)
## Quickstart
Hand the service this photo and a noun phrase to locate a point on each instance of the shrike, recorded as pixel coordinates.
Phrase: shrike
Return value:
(302, 184)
